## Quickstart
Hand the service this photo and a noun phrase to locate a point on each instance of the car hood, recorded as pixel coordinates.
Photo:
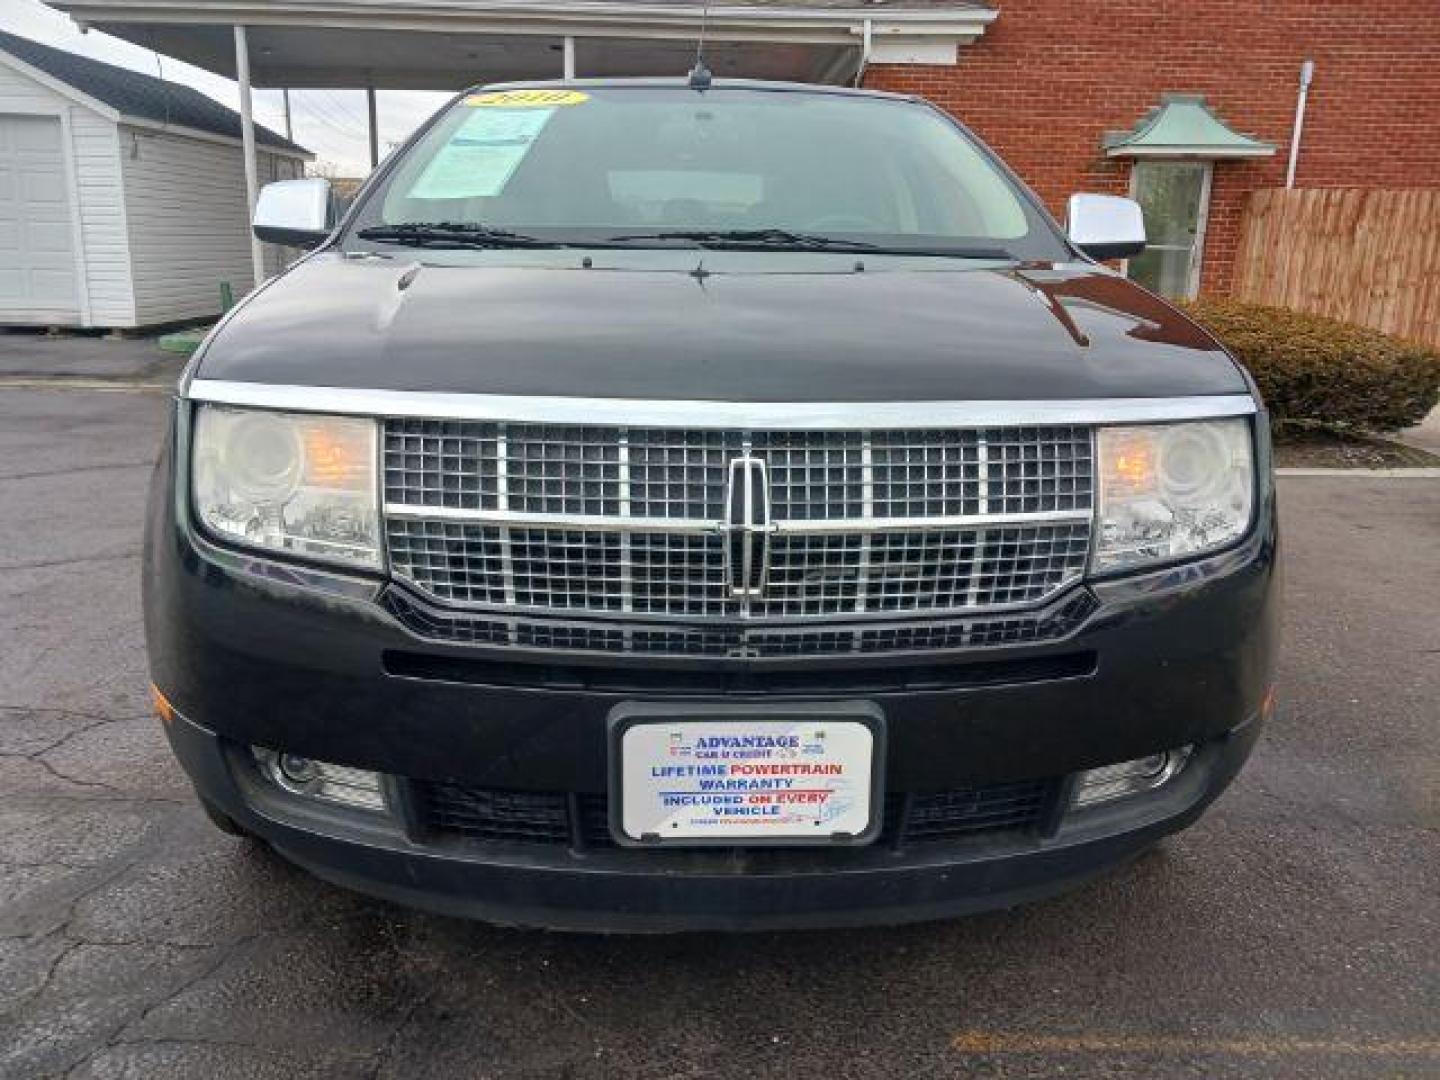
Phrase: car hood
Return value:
(716, 326)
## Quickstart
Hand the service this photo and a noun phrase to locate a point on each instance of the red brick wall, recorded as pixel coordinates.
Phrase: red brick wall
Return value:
(1049, 77)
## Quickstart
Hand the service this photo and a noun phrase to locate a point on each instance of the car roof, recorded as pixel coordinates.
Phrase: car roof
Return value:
(681, 82)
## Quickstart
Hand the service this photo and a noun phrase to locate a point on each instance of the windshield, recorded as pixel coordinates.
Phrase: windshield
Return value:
(650, 166)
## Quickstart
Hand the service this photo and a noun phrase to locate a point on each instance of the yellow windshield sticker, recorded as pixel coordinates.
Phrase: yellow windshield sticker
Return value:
(527, 99)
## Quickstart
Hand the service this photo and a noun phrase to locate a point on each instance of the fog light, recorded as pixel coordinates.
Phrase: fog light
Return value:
(322, 780)
(1129, 777)
(298, 770)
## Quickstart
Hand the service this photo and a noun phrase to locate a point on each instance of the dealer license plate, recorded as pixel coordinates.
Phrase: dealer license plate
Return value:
(740, 780)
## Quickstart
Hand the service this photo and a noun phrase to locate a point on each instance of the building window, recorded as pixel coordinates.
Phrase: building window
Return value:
(1175, 196)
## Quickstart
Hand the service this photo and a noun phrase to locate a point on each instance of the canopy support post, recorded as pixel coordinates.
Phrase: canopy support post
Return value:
(247, 141)
(374, 127)
(570, 56)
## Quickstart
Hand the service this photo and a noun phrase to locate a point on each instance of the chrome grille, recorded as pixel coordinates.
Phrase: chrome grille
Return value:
(454, 561)
(562, 471)
(814, 476)
(447, 463)
(678, 474)
(633, 522)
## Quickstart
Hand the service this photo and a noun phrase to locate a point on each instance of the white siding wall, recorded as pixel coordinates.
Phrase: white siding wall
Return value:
(188, 222)
(102, 219)
(95, 189)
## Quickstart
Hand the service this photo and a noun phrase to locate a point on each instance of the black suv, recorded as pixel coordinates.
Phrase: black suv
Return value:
(659, 505)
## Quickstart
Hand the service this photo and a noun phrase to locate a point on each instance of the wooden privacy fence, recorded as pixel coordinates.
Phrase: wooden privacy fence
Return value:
(1367, 257)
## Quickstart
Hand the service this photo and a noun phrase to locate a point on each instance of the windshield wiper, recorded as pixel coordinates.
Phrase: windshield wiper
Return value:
(786, 239)
(452, 234)
(746, 238)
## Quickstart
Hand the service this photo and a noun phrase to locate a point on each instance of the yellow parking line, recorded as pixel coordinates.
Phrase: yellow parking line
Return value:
(991, 1042)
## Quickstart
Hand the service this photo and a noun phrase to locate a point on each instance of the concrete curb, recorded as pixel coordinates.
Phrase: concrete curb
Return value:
(1419, 473)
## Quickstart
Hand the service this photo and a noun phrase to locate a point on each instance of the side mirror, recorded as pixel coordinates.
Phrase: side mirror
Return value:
(1106, 226)
(294, 213)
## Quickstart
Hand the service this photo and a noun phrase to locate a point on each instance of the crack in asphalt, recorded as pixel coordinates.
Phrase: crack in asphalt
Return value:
(227, 952)
(63, 929)
(115, 1038)
(122, 556)
(40, 757)
(49, 767)
(46, 864)
(145, 943)
(104, 874)
(50, 969)
(118, 799)
(48, 710)
(44, 473)
(92, 722)
(250, 1049)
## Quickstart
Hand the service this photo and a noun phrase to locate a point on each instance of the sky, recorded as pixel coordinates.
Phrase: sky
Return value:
(329, 122)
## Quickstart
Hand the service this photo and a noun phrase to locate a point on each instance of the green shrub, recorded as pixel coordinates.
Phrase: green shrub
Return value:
(1317, 371)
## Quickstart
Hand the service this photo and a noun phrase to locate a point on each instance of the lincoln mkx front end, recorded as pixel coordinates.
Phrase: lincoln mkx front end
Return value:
(658, 550)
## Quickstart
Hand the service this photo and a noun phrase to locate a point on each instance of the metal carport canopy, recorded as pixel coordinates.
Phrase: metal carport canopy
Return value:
(448, 44)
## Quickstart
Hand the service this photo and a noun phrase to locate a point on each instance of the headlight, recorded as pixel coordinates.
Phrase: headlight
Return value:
(1172, 490)
(288, 482)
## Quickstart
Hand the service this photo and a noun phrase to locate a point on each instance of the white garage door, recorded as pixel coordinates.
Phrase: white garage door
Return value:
(37, 258)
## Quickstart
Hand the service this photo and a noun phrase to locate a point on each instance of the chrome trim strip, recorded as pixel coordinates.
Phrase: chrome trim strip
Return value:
(581, 522)
(828, 526)
(703, 526)
(754, 416)
(982, 462)
(867, 511)
(502, 499)
(627, 564)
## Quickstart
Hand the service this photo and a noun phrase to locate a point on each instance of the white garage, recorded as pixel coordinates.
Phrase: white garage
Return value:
(122, 197)
(37, 256)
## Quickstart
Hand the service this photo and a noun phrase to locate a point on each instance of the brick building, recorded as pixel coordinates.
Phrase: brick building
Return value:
(1049, 78)
(1068, 91)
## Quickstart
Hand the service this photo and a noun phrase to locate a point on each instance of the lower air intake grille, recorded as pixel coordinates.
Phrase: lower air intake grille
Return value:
(486, 814)
(953, 814)
(457, 811)
(721, 639)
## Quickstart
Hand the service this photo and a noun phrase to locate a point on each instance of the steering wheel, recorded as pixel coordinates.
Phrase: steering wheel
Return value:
(844, 223)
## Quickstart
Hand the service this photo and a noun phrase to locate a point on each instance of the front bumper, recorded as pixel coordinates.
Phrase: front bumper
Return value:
(254, 652)
(657, 891)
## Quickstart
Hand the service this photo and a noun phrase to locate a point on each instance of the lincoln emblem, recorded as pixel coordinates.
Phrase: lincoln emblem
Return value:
(747, 527)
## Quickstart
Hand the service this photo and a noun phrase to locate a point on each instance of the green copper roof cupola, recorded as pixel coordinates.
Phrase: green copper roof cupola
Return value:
(1184, 126)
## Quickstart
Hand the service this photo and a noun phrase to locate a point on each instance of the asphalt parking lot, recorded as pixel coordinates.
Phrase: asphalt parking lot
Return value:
(1292, 932)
